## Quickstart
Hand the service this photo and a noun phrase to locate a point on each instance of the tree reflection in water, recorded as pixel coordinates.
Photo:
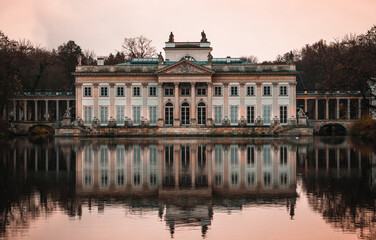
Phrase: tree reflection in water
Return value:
(186, 181)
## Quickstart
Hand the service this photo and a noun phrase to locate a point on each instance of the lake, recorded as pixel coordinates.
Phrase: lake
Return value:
(187, 188)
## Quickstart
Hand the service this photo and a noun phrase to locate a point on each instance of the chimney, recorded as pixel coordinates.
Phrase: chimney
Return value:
(100, 61)
(228, 59)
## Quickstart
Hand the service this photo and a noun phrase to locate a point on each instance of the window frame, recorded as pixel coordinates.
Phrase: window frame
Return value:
(267, 93)
(90, 91)
(231, 91)
(250, 92)
(215, 91)
(169, 90)
(104, 91)
(138, 91)
(201, 91)
(283, 90)
(121, 88)
(151, 91)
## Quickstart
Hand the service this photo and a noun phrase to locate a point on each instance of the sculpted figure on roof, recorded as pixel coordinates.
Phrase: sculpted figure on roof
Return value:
(171, 37)
(203, 37)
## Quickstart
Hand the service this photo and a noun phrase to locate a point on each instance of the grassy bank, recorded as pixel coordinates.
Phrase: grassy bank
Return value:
(364, 128)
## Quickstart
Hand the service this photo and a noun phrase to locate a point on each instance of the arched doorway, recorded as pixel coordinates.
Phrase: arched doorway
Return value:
(201, 114)
(169, 113)
(185, 113)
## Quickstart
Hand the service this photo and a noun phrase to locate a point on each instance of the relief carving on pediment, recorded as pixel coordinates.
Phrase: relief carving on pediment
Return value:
(185, 69)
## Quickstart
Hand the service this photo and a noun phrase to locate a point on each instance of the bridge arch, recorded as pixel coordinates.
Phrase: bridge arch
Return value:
(332, 129)
(41, 129)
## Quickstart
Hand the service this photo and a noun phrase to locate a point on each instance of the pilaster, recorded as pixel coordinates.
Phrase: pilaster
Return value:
(177, 105)
(95, 94)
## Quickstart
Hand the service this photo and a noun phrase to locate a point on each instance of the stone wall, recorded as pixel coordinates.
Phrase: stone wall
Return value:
(186, 131)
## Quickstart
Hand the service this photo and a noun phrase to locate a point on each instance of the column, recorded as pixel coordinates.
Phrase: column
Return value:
(25, 110)
(177, 163)
(36, 110)
(25, 161)
(317, 159)
(78, 100)
(160, 108)
(348, 159)
(337, 108)
(359, 108)
(275, 100)
(242, 101)
(193, 165)
(177, 105)
(326, 109)
(338, 166)
(292, 94)
(258, 100)
(57, 111)
(112, 100)
(305, 106)
(210, 104)
(316, 109)
(95, 94)
(128, 97)
(210, 165)
(193, 107)
(14, 110)
(348, 108)
(46, 111)
(67, 104)
(144, 101)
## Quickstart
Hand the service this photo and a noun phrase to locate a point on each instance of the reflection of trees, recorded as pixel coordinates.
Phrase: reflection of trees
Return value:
(27, 199)
(347, 202)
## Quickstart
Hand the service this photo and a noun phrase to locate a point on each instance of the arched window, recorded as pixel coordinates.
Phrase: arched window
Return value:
(201, 114)
(185, 113)
(169, 113)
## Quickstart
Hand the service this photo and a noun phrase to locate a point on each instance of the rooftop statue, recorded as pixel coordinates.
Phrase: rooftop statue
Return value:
(210, 58)
(67, 113)
(203, 37)
(171, 37)
(160, 58)
(79, 59)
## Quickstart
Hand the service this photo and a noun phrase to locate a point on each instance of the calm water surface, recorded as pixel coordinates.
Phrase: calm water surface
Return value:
(195, 188)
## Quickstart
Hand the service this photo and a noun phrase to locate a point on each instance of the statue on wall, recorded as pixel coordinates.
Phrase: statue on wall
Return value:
(203, 37)
(67, 113)
(301, 113)
(210, 58)
(171, 38)
(160, 58)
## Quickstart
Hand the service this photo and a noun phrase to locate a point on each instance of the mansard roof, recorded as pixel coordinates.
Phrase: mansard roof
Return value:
(185, 67)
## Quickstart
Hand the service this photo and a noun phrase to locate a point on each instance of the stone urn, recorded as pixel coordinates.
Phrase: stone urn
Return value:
(112, 122)
(96, 123)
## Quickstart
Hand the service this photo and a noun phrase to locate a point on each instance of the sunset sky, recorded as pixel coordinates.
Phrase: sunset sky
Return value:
(263, 28)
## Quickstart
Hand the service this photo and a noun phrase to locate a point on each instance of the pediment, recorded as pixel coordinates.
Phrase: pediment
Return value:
(185, 67)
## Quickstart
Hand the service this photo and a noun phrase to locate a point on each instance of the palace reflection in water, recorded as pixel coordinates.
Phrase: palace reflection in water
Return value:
(188, 181)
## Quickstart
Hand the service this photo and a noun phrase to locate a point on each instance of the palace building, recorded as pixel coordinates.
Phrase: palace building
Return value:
(186, 87)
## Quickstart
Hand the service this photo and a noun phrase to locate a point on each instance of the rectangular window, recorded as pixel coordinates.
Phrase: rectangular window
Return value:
(153, 115)
(120, 114)
(169, 91)
(250, 155)
(234, 91)
(267, 113)
(185, 91)
(217, 91)
(267, 91)
(87, 91)
(136, 115)
(250, 91)
(250, 114)
(283, 114)
(234, 114)
(201, 156)
(169, 155)
(217, 115)
(185, 156)
(201, 91)
(104, 91)
(153, 156)
(283, 155)
(87, 115)
(120, 91)
(120, 156)
(267, 179)
(136, 91)
(152, 91)
(283, 90)
(104, 115)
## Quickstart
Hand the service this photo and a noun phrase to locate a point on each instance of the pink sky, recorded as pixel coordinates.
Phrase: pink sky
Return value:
(263, 28)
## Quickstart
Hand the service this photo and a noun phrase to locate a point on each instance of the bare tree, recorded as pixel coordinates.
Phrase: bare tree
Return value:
(138, 47)
(250, 59)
